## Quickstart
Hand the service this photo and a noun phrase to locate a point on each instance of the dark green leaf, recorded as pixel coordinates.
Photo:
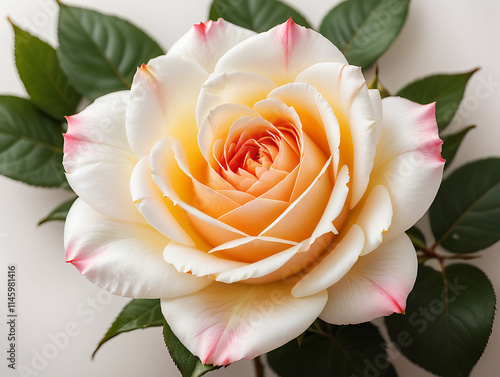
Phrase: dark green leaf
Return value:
(30, 144)
(188, 364)
(446, 327)
(446, 90)
(465, 216)
(257, 15)
(451, 143)
(138, 314)
(347, 351)
(100, 53)
(59, 213)
(45, 82)
(364, 29)
(416, 237)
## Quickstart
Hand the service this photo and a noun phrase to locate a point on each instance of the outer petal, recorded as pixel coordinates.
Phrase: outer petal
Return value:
(363, 236)
(225, 323)
(123, 258)
(97, 157)
(163, 102)
(206, 42)
(408, 160)
(281, 53)
(376, 286)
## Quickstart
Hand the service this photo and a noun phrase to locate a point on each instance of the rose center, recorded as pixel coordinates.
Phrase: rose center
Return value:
(257, 153)
(252, 154)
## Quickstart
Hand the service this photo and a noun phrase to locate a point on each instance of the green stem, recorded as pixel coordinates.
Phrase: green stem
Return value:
(430, 253)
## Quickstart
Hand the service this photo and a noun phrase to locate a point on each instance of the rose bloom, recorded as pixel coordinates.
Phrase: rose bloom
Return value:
(253, 183)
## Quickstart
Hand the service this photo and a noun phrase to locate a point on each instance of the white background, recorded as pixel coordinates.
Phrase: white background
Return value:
(440, 36)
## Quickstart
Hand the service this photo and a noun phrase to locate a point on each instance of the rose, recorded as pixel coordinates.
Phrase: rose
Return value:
(253, 183)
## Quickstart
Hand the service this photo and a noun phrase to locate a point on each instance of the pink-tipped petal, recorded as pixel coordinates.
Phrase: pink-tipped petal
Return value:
(97, 157)
(121, 257)
(281, 53)
(408, 161)
(377, 285)
(229, 322)
(206, 42)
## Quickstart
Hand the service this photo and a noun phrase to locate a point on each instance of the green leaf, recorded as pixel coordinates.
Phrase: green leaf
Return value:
(256, 15)
(100, 53)
(188, 364)
(344, 351)
(59, 213)
(417, 237)
(446, 327)
(45, 82)
(138, 314)
(465, 216)
(364, 29)
(451, 143)
(30, 144)
(446, 90)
